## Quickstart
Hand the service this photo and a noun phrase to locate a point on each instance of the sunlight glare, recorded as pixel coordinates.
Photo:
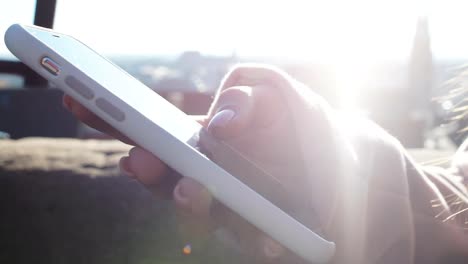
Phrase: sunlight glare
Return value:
(351, 35)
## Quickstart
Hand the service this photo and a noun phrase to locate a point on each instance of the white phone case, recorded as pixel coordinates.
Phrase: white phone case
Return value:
(154, 123)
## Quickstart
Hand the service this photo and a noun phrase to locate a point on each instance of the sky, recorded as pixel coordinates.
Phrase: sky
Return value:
(322, 31)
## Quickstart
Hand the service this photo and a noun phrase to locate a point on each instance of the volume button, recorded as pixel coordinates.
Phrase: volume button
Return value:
(79, 87)
(110, 109)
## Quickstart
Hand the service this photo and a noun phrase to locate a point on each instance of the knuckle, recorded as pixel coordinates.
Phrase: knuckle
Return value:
(236, 96)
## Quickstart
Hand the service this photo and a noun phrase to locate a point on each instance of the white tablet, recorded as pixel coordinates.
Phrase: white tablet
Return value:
(158, 126)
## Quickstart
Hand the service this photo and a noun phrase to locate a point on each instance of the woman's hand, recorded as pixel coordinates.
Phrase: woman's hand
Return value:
(243, 114)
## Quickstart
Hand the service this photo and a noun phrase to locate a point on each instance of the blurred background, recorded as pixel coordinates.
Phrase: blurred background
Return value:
(392, 61)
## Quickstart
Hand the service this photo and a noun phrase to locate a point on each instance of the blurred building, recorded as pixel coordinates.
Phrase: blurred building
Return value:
(421, 74)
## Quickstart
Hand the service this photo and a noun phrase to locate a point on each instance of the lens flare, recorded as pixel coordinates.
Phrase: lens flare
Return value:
(187, 250)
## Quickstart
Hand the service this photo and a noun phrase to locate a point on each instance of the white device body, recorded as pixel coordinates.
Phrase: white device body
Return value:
(154, 123)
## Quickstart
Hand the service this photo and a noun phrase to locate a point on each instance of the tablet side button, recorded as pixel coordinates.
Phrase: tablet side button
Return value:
(79, 87)
(110, 109)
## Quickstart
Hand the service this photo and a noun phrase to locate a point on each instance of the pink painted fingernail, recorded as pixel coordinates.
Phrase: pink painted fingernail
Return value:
(221, 120)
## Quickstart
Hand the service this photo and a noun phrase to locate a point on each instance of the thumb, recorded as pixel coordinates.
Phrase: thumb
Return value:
(231, 112)
(240, 107)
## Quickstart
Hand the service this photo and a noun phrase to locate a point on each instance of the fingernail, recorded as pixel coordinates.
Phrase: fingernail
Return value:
(221, 119)
(180, 194)
(125, 167)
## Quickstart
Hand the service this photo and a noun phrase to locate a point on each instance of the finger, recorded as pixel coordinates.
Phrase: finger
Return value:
(83, 114)
(193, 204)
(192, 198)
(252, 74)
(150, 171)
(240, 107)
(231, 112)
(144, 166)
(92, 120)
